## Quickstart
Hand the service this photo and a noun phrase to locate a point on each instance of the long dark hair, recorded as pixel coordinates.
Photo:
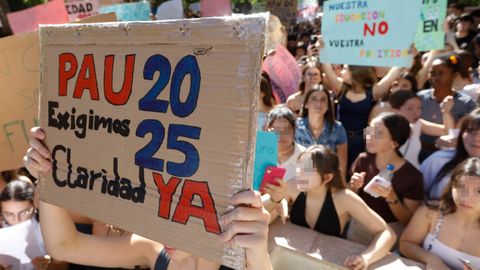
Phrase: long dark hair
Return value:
(281, 111)
(362, 76)
(311, 64)
(469, 167)
(325, 161)
(329, 114)
(266, 88)
(400, 97)
(398, 127)
(17, 190)
(471, 121)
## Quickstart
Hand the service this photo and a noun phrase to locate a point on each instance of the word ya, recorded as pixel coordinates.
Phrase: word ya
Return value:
(84, 178)
(185, 207)
(80, 123)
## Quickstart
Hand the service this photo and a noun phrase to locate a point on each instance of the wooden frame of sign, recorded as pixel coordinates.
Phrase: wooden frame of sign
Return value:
(152, 125)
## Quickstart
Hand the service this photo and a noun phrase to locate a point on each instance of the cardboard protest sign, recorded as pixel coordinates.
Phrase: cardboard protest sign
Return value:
(211, 8)
(152, 125)
(266, 154)
(137, 11)
(79, 9)
(307, 9)
(286, 10)
(430, 33)
(19, 77)
(283, 71)
(106, 17)
(28, 20)
(369, 33)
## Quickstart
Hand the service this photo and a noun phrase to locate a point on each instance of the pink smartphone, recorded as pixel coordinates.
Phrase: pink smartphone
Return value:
(272, 172)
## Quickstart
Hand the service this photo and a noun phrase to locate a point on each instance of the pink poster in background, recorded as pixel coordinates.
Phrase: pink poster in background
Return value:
(28, 20)
(283, 71)
(212, 8)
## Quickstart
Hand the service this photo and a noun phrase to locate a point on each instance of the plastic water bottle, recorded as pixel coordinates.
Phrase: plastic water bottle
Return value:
(383, 178)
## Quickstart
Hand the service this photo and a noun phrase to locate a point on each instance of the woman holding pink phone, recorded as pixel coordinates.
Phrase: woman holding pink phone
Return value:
(319, 200)
(282, 121)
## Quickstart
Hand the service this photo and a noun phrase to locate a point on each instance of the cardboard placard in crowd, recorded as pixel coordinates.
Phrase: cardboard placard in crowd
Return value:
(80, 9)
(19, 77)
(136, 11)
(152, 125)
(283, 71)
(285, 10)
(28, 20)
(430, 32)
(211, 8)
(369, 32)
(266, 154)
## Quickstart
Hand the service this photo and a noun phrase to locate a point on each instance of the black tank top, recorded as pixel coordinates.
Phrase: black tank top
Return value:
(163, 261)
(327, 222)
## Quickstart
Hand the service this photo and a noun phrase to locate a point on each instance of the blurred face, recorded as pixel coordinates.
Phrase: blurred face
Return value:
(338, 69)
(346, 76)
(401, 84)
(312, 76)
(285, 133)
(466, 194)
(411, 110)
(378, 139)
(299, 52)
(463, 25)
(15, 212)
(307, 177)
(441, 76)
(317, 103)
(471, 142)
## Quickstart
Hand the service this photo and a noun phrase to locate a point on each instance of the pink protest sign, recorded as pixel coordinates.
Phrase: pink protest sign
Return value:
(28, 20)
(212, 8)
(283, 71)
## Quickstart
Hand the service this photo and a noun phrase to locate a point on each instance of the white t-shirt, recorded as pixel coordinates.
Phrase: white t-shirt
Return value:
(411, 148)
(291, 164)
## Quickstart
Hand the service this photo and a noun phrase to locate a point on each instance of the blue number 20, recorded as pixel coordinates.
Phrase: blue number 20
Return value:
(188, 65)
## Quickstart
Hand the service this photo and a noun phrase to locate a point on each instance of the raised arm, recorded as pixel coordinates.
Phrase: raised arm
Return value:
(62, 239)
(333, 81)
(422, 75)
(381, 88)
(65, 243)
(434, 129)
(384, 237)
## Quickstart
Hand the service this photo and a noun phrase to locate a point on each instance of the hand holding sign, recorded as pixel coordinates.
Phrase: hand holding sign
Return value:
(131, 126)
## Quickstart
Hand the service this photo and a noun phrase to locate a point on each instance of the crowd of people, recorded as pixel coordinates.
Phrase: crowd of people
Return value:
(345, 127)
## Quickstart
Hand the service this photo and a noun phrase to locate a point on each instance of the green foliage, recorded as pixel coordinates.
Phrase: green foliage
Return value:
(31, 3)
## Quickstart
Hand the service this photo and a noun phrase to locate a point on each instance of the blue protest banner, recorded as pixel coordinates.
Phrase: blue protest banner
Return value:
(138, 11)
(266, 154)
(369, 33)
